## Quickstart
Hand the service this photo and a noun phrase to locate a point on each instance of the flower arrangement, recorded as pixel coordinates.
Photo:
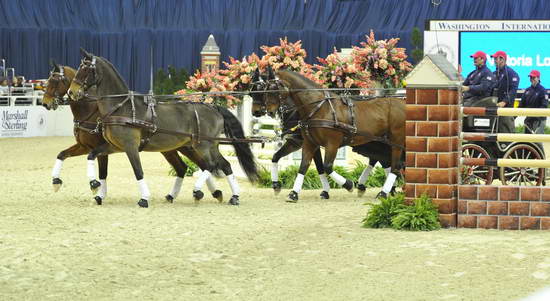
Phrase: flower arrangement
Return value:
(287, 55)
(385, 62)
(209, 82)
(337, 72)
(238, 74)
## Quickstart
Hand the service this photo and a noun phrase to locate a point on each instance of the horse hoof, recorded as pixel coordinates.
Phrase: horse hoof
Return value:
(98, 200)
(143, 203)
(276, 187)
(325, 195)
(381, 195)
(361, 188)
(198, 195)
(56, 184)
(234, 200)
(348, 185)
(292, 197)
(218, 195)
(169, 198)
(94, 186)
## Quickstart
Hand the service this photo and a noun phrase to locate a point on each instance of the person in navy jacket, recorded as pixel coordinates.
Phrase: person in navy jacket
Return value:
(534, 97)
(507, 82)
(479, 83)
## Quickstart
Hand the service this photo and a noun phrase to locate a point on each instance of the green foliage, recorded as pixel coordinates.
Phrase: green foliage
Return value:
(191, 167)
(381, 215)
(521, 129)
(166, 83)
(312, 181)
(422, 216)
(416, 40)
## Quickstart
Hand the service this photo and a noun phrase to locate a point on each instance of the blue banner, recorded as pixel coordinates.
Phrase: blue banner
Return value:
(526, 51)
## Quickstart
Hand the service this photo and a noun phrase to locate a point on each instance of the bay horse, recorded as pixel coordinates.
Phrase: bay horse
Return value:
(145, 123)
(88, 136)
(329, 120)
(377, 152)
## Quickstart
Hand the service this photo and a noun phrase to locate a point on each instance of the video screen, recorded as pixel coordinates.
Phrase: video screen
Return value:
(526, 51)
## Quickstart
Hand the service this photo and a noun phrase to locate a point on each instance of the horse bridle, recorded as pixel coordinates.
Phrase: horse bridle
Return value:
(57, 97)
(88, 69)
(267, 86)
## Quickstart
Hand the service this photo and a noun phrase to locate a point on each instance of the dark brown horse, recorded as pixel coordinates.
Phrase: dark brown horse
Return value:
(139, 122)
(262, 83)
(89, 136)
(329, 120)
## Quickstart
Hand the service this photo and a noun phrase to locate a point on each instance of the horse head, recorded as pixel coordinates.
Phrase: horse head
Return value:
(267, 93)
(57, 85)
(85, 77)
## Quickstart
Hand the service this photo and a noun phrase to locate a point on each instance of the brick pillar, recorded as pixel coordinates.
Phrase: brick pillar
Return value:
(432, 149)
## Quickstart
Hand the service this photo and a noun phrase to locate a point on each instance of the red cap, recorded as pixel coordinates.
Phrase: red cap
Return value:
(534, 73)
(500, 53)
(479, 54)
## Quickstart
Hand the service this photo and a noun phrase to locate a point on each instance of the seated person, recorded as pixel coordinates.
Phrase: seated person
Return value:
(19, 82)
(4, 89)
(479, 83)
(534, 97)
(507, 82)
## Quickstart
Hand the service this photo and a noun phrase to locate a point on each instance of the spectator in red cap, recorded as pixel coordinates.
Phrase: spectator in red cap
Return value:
(507, 86)
(479, 83)
(534, 97)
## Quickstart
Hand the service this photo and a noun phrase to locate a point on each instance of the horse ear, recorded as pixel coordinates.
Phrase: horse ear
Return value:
(85, 54)
(256, 75)
(270, 74)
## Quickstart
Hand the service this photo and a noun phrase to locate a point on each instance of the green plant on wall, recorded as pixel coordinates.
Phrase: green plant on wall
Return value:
(416, 40)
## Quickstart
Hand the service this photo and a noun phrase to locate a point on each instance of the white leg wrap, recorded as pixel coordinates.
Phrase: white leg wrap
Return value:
(176, 188)
(337, 178)
(234, 185)
(365, 175)
(202, 178)
(298, 183)
(387, 171)
(324, 181)
(91, 170)
(145, 194)
(57, 168)
(275, 172)
(389, 182)
(102, 189)
(211, 184)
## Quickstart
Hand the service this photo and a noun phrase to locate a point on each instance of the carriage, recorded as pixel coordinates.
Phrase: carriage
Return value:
(494, 149)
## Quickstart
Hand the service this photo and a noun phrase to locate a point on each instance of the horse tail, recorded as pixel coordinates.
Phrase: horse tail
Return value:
(234, 129)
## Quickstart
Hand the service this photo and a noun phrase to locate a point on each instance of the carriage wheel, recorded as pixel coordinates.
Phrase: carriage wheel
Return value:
(475, 175)
(522, 175)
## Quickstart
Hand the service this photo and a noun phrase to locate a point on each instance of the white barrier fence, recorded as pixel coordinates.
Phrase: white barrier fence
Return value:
(24, 116)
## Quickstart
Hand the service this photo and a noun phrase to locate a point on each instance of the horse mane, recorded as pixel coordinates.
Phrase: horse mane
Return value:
(299, 79)
(115, 71)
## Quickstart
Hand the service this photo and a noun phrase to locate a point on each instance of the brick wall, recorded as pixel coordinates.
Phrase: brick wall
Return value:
(432, 149)
(504, 207)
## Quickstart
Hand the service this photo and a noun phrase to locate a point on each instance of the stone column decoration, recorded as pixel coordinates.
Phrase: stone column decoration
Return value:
(432, 148)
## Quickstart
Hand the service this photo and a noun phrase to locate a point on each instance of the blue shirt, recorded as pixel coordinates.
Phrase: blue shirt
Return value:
(535, 97)
(507, 85)
(480, 81)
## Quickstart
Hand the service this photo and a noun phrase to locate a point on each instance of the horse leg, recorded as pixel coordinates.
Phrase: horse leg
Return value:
(102, 163)
(225, 166)
(308, 150)
(132, 153)
(318, 159)
(101, 150)
(288, 147)
(361, 188)
(200, 157)
(330, 155)
(391, 176)
(75, 150)
(181, 168)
